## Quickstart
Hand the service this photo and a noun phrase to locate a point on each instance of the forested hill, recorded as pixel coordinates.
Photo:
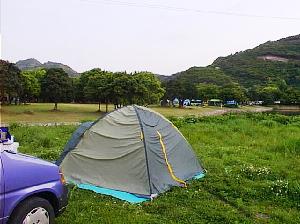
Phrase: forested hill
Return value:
(31, 64)
(270, 71)
(184, 84)
(272, 61)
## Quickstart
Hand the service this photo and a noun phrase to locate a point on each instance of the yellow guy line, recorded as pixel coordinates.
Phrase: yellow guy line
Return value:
(167, 162)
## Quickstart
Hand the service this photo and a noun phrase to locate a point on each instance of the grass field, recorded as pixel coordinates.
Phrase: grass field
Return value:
(253, 164)
(43, 112)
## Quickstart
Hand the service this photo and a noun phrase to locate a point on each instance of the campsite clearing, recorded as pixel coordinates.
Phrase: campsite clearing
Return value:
(253, 174)
(43, 112)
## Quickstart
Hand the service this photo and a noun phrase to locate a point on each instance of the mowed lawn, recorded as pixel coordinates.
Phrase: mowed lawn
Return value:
(43, 112)
(253, 174)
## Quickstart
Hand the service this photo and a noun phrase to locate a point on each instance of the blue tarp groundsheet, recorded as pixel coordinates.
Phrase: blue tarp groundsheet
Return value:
(125, 196)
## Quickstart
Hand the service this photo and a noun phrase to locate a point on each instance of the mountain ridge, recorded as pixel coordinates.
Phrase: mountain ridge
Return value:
(32, 63)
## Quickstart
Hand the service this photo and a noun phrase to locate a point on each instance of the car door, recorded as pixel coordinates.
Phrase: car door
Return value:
(1, 191)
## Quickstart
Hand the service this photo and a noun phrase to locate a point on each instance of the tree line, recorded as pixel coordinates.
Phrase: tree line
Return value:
(268, 93)
(54, 85)
(212, 83)
(121, 88)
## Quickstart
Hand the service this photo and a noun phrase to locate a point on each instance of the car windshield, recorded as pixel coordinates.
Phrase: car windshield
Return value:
(4, 134)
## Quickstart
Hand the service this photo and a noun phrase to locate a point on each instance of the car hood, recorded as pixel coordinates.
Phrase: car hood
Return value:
(21, 171)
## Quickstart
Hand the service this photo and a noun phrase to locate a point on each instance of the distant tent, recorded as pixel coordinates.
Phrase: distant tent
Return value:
(176, 101)
(132, 150)
(186, 102)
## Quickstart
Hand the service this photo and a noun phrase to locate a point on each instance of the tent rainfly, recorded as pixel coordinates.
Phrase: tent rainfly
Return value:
(133, 151)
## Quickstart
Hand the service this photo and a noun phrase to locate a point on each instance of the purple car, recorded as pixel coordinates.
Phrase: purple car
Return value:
(31, 190)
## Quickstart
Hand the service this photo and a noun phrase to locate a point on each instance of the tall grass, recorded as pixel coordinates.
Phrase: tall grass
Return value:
(43, 142)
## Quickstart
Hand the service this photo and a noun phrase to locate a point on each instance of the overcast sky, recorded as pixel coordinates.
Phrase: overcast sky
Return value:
(164, 37)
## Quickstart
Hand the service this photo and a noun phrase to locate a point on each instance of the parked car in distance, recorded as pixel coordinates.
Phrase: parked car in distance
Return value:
(196, 102)
(31, 190)
(231, 103)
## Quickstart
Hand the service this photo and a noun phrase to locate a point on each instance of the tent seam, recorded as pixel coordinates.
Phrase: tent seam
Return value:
(146, 155)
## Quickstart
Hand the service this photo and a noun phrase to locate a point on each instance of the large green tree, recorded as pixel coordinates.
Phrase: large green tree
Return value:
(32, 83)
(56, 86)
(291, 96)
(99, 87)
(11, 85)
(124, 89)
(148, 88)
(270, 93)
(233, 91)
(208, 91)
(80, 83)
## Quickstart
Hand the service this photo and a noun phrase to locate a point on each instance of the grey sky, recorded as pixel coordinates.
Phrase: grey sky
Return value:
(118, 36)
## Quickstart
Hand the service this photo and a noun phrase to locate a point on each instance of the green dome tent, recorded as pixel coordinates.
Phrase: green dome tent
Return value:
(133, 150)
